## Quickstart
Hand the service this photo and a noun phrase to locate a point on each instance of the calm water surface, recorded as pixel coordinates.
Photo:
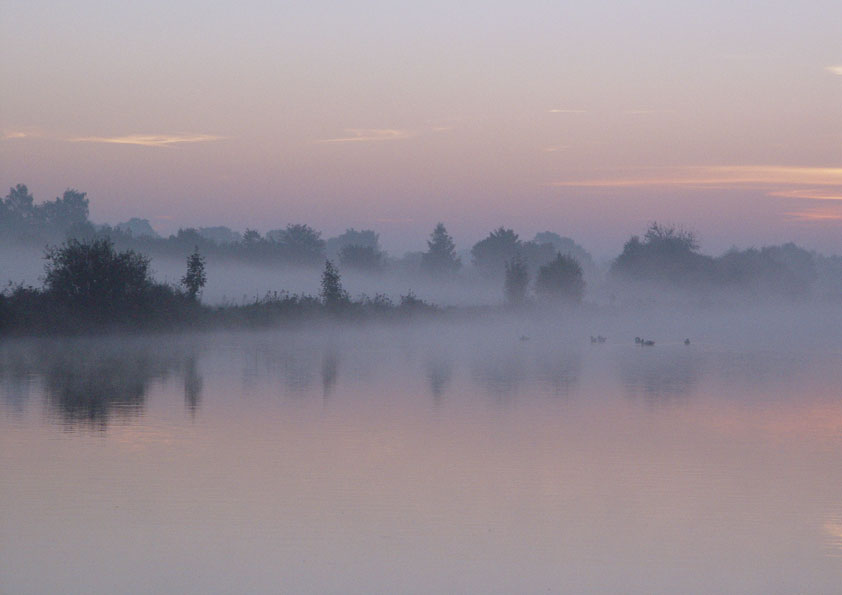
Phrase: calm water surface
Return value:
(442, 459)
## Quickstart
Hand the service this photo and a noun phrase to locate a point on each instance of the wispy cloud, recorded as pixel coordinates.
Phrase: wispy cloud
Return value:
(725, 176)
(803, 183)
(813, 216)
(14, 134)
(640, 112)
(567, 111)
(809, 193)
(556, 148)
(369, 135)
(149, 140)
(834, 69)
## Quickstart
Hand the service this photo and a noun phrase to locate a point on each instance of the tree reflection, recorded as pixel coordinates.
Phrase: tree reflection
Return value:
(560, 372)
(330, 371)
(659, 376)
(439, 370)
(500, 374)
(15, 380)
(88, 383)
(193, 385)
(88, 389)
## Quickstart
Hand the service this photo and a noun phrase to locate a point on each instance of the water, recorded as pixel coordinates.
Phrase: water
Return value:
(437, 459)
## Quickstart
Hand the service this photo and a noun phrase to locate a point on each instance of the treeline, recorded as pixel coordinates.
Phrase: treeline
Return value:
(90, 285)
(22, 220)
(547, 266)
(668, 256)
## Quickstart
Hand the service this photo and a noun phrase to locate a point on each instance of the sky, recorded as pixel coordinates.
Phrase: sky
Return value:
(588, 119)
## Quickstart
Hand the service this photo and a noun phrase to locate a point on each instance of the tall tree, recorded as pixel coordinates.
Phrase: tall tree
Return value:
(440, 257)
(195, 277)
(490, 254)
(301, 243)
(361, 258)
(19, 205)
(517, 280)
(561, 279)
(333, 296)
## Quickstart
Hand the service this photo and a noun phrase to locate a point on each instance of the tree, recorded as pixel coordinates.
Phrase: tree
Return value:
(566, 246)
(670, 238)
(666, 253)
(92, 278)
(66, 212)
(195, 278)
(301, 243)
(352, 237)
(19, 204)
(517, 280)
(440, 257)
(362, 258)
(490, 254)
(251, 237)
(333, 296)
(561, 280)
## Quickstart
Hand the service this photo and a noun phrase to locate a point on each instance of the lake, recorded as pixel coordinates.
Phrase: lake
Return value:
(437, 458)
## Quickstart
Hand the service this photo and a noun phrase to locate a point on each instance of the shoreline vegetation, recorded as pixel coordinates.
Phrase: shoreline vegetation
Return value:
(98, 278)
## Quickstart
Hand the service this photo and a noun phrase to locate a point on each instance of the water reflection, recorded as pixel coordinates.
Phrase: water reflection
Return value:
(88, 388)
(330, 371)
(500, 374)
(559, 372)
(658, 376)
(294, 365)
(90, 382)
(16, 379)
(193, 384)
(601, 481)
(439, 371)
(833, 530)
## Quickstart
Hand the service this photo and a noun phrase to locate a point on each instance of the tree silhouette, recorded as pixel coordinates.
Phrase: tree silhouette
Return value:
(362, 258)
(352, 237)
(195, 278)
(333, 296)
(666, 253)
(93, 278)
(440, 257)
(561, 279)
(19, 204)
(490, 254)
(517, 280)
(301, 243)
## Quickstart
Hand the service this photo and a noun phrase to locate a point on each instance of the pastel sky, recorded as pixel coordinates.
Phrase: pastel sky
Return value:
(589, 118)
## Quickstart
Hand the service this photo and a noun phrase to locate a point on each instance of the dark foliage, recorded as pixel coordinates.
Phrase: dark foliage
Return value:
(517, 280)
(361, 258)
(561, 279)
(440, 258)
(94, 279)
(352, 237)
(195, 277)
(23, 220)
(491, 254)
(666, 253)
(332, 294)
